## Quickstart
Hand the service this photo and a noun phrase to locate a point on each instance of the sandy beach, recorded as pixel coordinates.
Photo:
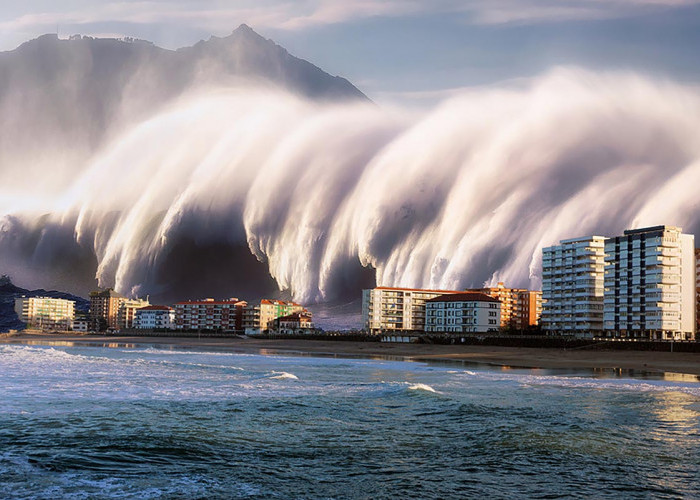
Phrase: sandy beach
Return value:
(513, 357)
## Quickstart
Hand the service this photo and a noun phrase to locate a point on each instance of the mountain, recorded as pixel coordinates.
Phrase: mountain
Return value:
(60, 99)
(9, 292)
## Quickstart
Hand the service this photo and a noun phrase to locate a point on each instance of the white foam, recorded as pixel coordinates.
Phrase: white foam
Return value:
(583, 382)
(422, 387)
(284, 376)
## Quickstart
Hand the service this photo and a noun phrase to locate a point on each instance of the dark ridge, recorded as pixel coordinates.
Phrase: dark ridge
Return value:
(9, 292)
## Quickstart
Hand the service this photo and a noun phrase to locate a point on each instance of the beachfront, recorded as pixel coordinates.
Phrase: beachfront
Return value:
(643, 361)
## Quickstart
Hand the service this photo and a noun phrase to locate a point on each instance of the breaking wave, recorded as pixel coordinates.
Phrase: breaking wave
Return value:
(421, 387)
(284, 376)
(458, 196)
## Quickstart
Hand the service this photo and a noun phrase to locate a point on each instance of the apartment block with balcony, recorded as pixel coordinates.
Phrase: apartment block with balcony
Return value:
(209, 314)
(46, 313)
(396, 309)
(127, 312)
(651, 284)
(520, 307)
(154, 318)
(467, 312)
(104, 309)
(573, 285)
(260, 317)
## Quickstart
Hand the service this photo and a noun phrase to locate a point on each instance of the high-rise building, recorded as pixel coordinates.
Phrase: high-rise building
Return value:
(104, 309)
(45, 313)
(520, 307)
(651, 284)
(462, 313)
(209, 314)
(403, 309)
(573, 275)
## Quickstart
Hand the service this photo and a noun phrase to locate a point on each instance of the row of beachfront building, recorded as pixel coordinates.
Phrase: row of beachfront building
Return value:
(642, 284)
(112, 312)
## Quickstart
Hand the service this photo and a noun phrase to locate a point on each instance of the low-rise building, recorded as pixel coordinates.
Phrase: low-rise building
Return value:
(155, 318)
(294, 324)
(396, 309)
(45, 313)
(81, 322)
(259, 317)
(209, 314)
(468, 312)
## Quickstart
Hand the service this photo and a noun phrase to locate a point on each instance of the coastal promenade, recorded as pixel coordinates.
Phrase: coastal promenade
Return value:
(506, 357)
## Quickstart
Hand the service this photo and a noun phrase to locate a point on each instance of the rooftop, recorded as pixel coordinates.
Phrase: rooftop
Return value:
(210, 302)
(464, 297)
(414, 289)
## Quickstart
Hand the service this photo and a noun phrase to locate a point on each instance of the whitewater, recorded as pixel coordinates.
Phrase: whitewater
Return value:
(149, 422)
(461, 195)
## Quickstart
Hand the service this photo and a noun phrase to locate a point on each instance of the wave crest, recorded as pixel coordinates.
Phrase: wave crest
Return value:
(465, 194)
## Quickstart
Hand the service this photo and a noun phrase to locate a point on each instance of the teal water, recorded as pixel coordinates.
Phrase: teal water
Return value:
(98, 422)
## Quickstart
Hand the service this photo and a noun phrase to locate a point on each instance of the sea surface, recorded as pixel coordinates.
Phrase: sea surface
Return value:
(147, 422)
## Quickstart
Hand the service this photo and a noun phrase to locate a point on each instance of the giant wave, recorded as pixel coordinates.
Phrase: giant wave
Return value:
(457, 196)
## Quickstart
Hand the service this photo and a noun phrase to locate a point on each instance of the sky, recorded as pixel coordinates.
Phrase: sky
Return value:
(415, 51)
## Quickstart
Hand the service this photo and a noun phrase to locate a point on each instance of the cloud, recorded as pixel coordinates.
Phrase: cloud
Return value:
(216, 16)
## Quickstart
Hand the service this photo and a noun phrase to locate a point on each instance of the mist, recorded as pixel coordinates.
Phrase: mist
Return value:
(249, 190)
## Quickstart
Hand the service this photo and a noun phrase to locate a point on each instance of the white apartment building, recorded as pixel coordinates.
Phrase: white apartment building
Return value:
(155, 318)
(386, 308)
(650, 284)
(45, 313)
(81, 324)
(573, 276)
(127, 311)
(463, 313)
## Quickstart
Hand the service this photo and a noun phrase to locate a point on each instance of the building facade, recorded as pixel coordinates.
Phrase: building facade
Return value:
(386, 308)
(155, 318)
(469, 312)
(209, 314)
(261, 316)
(697, 291)
(81, 322)
(520, 307)
(651, 284)
(127, 312)
(104, 309)
(294, 324)
(573, 285)
(46, 313)
(530, 310)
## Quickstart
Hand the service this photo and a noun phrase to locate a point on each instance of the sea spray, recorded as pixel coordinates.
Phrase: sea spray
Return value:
(466, 193)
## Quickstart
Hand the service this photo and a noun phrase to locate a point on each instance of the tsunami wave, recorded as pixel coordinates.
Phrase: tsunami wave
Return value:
(464, 194)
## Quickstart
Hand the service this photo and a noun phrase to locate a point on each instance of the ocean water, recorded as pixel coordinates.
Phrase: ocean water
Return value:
(130, 422)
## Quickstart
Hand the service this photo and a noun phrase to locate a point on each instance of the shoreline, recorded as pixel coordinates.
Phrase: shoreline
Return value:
(503, 357)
